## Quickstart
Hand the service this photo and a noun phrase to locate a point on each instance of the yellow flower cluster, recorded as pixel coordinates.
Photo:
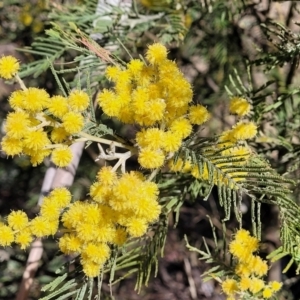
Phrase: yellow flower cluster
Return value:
(41, 125)
(120, 208)
(22, 231)
(249, 270)
(9, 66)
(156, 96)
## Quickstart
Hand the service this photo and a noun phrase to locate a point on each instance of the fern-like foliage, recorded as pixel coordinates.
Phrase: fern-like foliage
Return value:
(255, 179)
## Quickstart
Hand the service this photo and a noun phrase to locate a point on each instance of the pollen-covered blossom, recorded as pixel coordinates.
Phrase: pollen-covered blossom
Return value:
(61, 196)
(70, 243)
(6, 235)
(198, 114)
(17, 220)
(239, 106)
(73, 122)
(78, 100)
(249, 270)
(12, 146)
(244, 131)
(40, 123)
(62, 156)
(107, 176)
(17, 123)
(230, 287)
(156, 53)
(24, 238)
(95, 225)
(181, 127)
(16, 99)
(59, 135)
(58, 106)
(151, 159)
(50, 209)
(154, 95)
(36, 140)
(90, 228)
(9, 66)
(35, 100)
(41, 226)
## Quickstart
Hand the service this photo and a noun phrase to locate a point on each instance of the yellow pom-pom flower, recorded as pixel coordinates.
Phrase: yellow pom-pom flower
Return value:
(100, 193)
(156, 53)
(61, 196)
(105, 233)
(6, 235)
(135, 67)
(17, 220)
(35, 100)
(36, 140)
(256, 285)
(242, 235)
(70, 243)
(140, 101)
(58, 135)
(41, 227)
(136, 227)
(37, 156)
(106, 176)
(230, 287)
(238, 250)
(97, 253)
(109, 103)
(86, 231)
(152, 138)
(151, 159)
(78, 100)
(171, 142)
(16, 99)
(62, 156)
(24, 238)
(12, 146)
(73, 217)
(17, 124)
(267, 293)
(182, 127)
(198, 114)
(90, 268)
(73, 122)
(245, 283)
(157, 109)
(259, 266)
(112, 73)
(49, 209)
(9, 66)
(58, 106)
(275, 286)
(92, 213)
(244, 131)
(239, 106)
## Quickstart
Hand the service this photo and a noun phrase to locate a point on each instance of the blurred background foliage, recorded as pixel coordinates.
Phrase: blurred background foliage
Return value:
(248, 48)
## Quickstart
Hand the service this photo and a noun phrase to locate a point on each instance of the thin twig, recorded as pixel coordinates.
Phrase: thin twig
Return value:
(53, 178)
